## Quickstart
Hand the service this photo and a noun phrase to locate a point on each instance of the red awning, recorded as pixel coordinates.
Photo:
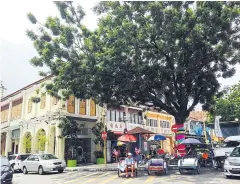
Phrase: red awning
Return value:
(118, 132)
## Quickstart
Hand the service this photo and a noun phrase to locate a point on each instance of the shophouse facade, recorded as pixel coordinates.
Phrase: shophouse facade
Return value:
(21, 118)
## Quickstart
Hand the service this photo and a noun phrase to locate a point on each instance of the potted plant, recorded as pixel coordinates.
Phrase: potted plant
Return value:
(69, 130)
(99, 157)
(97, 130)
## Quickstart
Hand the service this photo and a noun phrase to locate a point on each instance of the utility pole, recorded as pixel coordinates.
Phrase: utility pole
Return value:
(105, 140)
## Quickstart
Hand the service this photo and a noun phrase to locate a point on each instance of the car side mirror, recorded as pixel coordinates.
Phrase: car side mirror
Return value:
(227, 154)
(217, 146)
(36, 159)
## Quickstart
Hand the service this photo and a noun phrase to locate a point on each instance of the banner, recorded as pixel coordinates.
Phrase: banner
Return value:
(217, 128)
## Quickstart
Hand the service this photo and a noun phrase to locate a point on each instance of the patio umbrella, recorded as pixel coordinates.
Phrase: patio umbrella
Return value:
(190, 141)
(127, 138)
(157, 138)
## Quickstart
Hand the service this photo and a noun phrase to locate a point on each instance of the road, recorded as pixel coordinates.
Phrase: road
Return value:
(206, 177)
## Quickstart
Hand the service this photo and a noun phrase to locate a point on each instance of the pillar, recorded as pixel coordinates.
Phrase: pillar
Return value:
(8, 145)
(20, 144)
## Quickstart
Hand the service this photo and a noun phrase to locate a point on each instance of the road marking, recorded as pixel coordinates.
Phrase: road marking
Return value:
(126, 181)
(93, 179)
(108, 180)
(71, 181)
(150, 179)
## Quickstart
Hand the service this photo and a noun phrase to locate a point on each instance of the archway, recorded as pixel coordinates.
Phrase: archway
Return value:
(52, 141)
(27, 142)
(41, 140)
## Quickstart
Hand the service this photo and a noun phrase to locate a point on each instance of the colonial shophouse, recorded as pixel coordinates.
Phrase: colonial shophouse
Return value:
(132, 117)
(21, 118)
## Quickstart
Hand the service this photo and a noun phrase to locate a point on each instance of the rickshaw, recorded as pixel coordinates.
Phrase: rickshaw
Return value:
(122, 167)
(157, 164)
(190, 161)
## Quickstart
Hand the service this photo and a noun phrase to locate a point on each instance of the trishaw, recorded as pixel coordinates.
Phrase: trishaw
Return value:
(190, 161)
(158, 164)
(122, 167)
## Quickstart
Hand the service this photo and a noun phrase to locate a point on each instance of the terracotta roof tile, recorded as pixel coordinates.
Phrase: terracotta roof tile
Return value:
(198, 116)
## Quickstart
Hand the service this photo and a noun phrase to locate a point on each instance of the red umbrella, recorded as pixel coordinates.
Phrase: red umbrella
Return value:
(127, 138)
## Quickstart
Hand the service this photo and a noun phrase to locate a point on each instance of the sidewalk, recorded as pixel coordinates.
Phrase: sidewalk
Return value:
(100, 167)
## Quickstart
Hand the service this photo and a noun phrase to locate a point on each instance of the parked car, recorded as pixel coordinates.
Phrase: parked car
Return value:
(6, 171)
(232, 163)
(16, 161)
(43, 163)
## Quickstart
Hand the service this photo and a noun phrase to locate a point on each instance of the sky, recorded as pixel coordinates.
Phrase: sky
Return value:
(16, 49)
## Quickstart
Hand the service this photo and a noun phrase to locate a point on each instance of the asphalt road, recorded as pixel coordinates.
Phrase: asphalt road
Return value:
(206, 177)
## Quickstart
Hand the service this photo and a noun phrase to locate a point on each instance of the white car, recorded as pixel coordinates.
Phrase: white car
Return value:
(232, 163)
(43, 163)
(16, 160)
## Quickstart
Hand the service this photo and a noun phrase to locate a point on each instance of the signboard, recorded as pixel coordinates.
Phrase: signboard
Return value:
(175, 128)
(104, 135)
(116, 126)
(145, 146)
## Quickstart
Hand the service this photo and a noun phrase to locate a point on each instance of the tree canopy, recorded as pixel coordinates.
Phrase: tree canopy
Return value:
(228, 106)
(166, 53)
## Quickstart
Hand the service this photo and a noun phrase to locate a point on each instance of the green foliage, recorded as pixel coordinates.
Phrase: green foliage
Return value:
(167, 53)
(97, 130)
(70, 129)
(98, 154)
(42, 140)
(228, 106)
(27, 143)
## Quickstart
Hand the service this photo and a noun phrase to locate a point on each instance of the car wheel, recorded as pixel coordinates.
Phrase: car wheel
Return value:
(228, 177)
(181, 171)
(40, 170)
(60, 171)
(25, 170)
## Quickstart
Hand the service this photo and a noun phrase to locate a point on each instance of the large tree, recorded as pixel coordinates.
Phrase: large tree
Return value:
(228, 105)
(166, 53)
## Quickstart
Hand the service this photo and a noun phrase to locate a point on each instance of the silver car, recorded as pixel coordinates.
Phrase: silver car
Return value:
(43, 163)
(232, 163)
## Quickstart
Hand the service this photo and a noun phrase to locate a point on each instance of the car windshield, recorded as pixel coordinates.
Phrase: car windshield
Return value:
(23, 157)
(230, 144)
(235, 152)
(48, 157)
(4, 161)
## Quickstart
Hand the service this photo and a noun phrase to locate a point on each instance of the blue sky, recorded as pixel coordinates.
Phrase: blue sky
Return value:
(16, 49)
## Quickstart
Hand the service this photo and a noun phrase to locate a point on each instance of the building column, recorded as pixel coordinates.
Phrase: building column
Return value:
(20, 144)
(8, 145)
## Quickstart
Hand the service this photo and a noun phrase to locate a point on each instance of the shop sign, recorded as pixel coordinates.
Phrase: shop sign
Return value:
(115, 126)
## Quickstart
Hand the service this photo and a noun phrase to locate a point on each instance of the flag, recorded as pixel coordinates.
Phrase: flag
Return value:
(217, 128)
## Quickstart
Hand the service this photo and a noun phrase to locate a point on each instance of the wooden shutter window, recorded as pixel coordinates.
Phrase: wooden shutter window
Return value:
(82, 107)
(71, 104)
(92, 108)
(29, 105)
(43, 102)
(54, 100)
